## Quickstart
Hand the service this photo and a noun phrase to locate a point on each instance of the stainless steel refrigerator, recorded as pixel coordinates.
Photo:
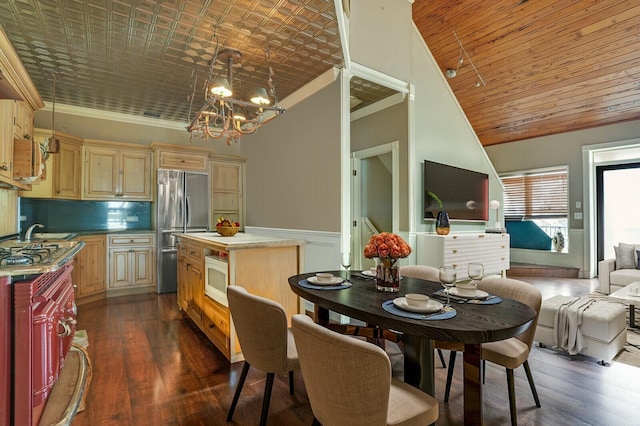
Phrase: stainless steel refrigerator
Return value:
(182, 207)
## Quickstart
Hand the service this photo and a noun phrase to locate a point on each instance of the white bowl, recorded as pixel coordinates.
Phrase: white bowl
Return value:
(466, 289)
(416, 299)
(324, 277)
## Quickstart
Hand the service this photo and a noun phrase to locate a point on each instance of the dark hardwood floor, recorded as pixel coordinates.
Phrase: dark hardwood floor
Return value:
(152, 367)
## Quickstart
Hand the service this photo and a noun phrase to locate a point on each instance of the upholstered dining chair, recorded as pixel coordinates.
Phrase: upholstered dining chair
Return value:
(267, 342)
(513, 352)
(349, 381)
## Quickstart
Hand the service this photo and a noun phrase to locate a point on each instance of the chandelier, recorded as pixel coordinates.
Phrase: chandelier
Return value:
(224, 116)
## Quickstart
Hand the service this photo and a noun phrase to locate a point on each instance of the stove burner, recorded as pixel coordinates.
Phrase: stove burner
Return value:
(31, 254)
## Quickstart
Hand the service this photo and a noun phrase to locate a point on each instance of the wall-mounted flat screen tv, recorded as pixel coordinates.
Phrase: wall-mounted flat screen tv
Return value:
(464, 193)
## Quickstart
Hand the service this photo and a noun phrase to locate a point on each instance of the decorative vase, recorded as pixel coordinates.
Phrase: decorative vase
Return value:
(442, 223)
(387, 275)
(558, 242)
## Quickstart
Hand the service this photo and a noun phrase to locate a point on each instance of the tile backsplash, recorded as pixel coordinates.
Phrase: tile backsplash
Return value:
(79, 216)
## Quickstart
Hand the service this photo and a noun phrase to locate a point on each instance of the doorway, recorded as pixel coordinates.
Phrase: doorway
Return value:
(617, 212)
(374, 197)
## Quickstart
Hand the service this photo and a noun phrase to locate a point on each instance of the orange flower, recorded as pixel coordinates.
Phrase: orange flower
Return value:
(386, 245)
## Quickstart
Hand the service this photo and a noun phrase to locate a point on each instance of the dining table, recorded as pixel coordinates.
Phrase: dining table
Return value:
(472, 324)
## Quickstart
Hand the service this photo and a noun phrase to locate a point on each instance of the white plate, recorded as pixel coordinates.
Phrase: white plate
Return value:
(432, 306)
(479, 294)
(332, 281)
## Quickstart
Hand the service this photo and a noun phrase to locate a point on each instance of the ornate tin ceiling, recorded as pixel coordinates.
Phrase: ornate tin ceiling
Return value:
(142, 57)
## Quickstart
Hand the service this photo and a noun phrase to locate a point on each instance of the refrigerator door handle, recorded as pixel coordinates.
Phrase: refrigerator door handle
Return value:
(188, 207)
(169, 250)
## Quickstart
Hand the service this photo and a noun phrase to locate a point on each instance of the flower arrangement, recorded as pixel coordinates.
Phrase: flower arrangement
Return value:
(386, 246)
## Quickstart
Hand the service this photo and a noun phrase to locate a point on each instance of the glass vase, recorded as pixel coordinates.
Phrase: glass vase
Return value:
(387, 275)
(442, 223)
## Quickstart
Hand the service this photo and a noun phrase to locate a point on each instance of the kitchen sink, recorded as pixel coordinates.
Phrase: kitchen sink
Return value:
(45, 236)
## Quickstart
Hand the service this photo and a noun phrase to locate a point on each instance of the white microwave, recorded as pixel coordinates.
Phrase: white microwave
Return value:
(216, 279)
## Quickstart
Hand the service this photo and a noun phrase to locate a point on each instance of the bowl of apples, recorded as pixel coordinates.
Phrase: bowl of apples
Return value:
(227, 228)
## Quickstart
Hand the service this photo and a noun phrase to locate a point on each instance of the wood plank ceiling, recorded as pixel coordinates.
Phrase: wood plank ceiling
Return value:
(549, 66)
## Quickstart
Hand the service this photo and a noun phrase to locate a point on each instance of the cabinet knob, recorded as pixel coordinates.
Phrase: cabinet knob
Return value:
(4, 168)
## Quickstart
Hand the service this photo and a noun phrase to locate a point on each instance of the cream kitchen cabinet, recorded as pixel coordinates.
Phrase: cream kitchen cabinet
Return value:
(458, 250)
(116, 171)
(131, 259)
(89, 271)
(227, 179)
(62, 177)
(176, 157)
(16, 119)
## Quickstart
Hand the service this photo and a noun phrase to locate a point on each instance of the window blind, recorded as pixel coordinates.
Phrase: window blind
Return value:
(536, 195)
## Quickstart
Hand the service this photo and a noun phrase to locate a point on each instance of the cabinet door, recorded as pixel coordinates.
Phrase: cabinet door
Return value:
(119, 268)
(91, 267)
(135, 175)
(67, 171)
(226, 191)
(6, 137)
(101, 173)
(142, 266)
(195, 285)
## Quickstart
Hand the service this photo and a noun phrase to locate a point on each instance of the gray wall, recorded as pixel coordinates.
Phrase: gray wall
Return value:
(293, 167)
(116, 130)
(388, 125)
(442, 134)
(562, 149)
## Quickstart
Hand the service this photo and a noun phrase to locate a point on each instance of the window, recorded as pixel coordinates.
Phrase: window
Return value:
(539, 196)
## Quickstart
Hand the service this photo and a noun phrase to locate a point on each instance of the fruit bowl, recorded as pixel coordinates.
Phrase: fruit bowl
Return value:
(227, 231)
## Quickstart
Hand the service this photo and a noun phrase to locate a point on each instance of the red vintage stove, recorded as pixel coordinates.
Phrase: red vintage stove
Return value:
(38, 321)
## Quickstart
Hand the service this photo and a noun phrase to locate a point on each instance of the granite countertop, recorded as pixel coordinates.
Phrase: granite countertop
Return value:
(240, 240)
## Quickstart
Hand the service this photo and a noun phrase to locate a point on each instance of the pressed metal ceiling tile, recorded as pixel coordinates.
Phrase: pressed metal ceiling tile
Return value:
(137, 56)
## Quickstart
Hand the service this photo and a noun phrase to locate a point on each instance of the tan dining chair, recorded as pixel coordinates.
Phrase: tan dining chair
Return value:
(513, 352)
(266, 341)
(349, 381)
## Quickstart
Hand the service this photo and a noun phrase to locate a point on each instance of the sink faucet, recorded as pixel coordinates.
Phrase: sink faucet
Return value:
(27, 235)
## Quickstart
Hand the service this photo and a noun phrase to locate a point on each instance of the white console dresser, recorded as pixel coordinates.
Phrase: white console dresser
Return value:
(492, 250)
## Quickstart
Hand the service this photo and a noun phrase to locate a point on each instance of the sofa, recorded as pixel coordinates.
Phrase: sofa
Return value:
(613, 274)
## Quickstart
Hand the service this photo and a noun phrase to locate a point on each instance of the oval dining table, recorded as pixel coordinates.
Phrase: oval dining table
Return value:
(472, 325)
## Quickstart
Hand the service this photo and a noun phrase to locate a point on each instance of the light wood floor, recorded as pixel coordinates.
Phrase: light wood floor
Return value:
(152, 367)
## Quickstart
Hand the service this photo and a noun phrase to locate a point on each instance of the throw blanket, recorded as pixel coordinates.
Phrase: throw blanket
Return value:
(568, 319)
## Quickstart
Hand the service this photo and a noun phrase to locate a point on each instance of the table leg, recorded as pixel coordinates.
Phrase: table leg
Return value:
(418, 363)
(473, 399)
(321, 314)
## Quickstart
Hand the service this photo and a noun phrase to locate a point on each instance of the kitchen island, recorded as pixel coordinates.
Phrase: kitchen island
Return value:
(208, 262)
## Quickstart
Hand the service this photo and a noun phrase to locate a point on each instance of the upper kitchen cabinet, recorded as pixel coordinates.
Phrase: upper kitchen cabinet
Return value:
(117, 171)
(62, 176)
(18, 101)
(174, 157)
(227, 177)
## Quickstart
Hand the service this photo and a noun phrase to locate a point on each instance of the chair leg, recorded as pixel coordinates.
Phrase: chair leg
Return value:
(532, 385)
(452, 364)
(291, 382)
(512, 397)
(444, 365)
(236, 395)
(268, 386)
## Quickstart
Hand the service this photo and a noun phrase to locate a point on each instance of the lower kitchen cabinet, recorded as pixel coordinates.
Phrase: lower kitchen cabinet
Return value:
(261, 265)
(191, 280)
(131, 264)
(89, 272)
